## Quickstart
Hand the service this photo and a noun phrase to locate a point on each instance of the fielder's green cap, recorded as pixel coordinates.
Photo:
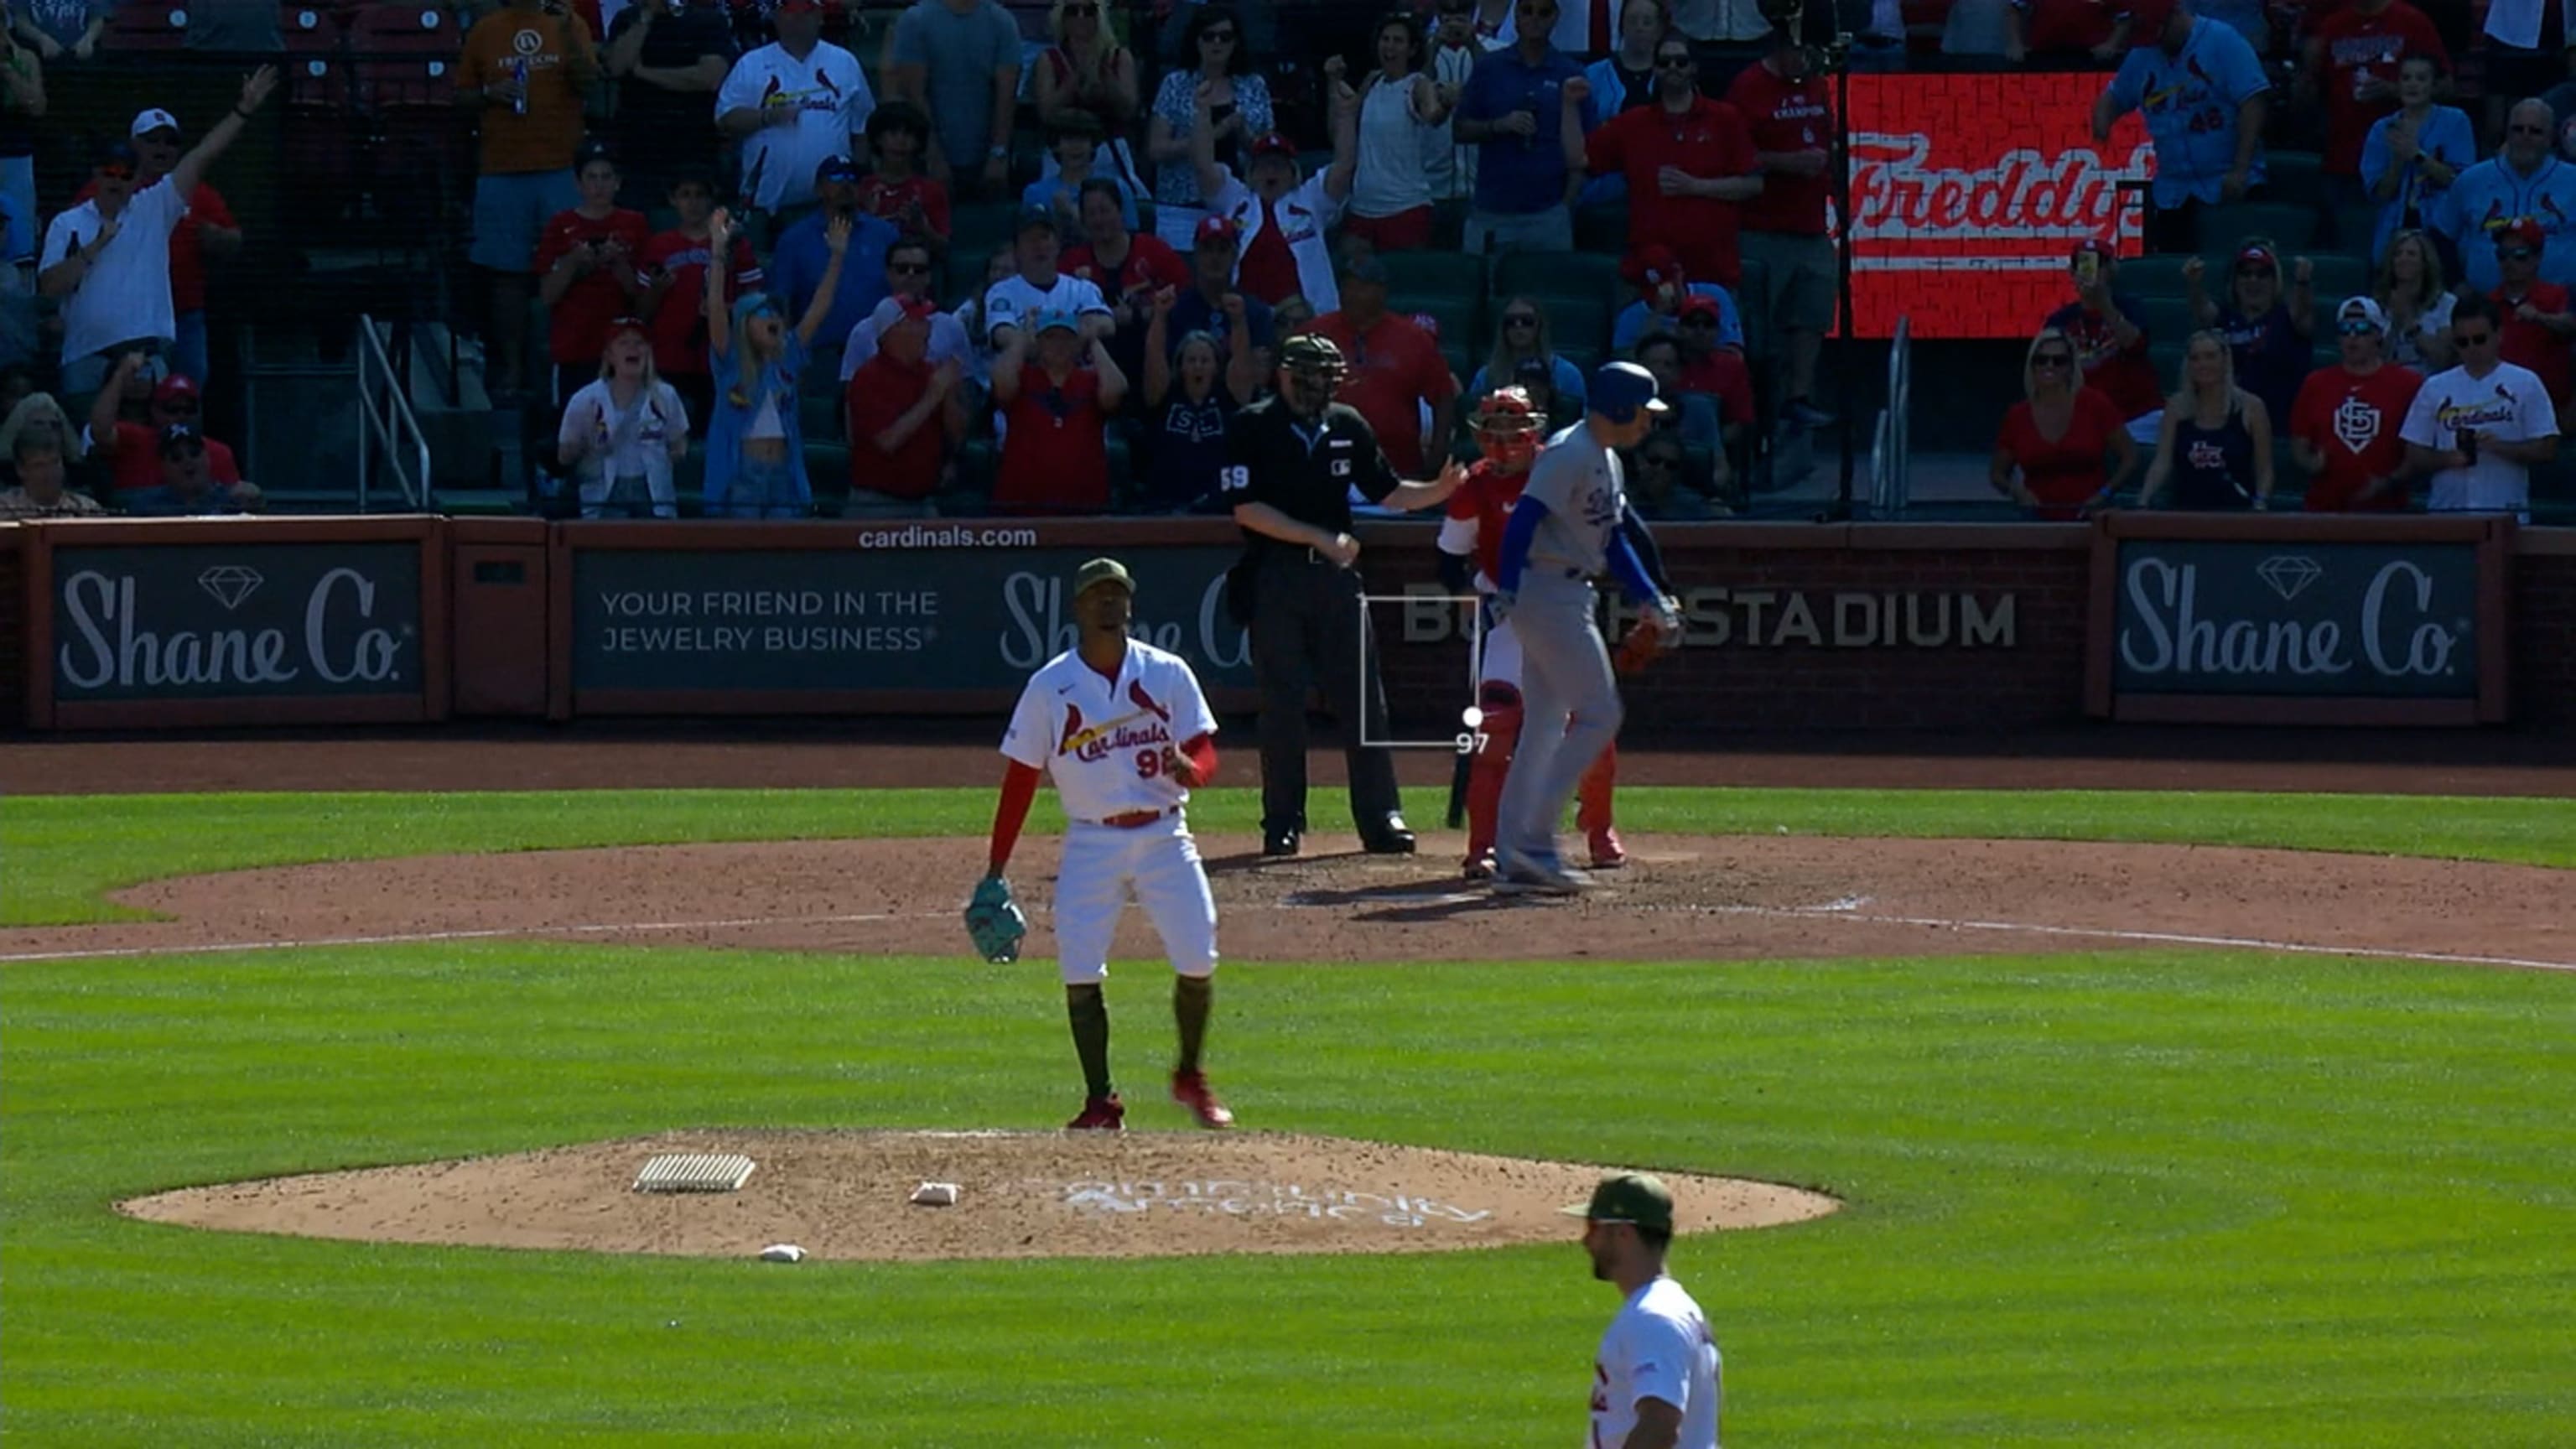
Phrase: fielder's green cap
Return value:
(1628, 1197)
(1102, 571)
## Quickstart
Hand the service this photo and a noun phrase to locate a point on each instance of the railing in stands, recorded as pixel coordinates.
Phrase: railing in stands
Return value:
(386, 427)
(1891, 474)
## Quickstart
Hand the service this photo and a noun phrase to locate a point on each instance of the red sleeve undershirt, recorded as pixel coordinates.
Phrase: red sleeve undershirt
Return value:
(1020, 790)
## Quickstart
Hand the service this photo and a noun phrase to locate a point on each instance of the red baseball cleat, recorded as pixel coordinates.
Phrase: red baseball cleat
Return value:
(1100, 1114)
(1191, 1090)
(1607, 851)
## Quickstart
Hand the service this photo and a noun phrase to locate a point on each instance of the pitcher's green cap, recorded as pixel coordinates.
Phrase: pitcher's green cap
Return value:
(1628, 1197)
(1102, 571)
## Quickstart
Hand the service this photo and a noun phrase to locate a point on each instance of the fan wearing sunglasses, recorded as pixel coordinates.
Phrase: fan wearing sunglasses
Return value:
(2479, 428)
(2526, 178)
(2343, 429)
(2536, 314)
(2049, 455)
(1690, 165)
(107, 260)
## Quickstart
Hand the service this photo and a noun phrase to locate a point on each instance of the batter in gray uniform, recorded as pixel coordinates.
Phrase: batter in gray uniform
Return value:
(1571, 525)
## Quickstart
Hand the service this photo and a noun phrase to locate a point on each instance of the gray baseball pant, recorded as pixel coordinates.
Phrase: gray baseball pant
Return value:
(1565, 671)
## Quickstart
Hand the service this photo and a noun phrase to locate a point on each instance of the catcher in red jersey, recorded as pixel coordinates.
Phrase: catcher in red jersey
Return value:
(1509, 431)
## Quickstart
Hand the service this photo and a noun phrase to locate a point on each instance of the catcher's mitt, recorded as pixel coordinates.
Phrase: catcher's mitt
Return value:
(994, 922)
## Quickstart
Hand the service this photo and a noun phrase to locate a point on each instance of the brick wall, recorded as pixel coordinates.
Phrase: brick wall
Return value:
(1789, 629)
(2544, 631)
(13, 629)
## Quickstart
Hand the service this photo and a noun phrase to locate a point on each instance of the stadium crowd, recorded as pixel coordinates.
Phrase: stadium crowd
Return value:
(806, 256)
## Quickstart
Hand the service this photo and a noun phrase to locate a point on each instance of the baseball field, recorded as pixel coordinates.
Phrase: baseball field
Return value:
(2147, 1117)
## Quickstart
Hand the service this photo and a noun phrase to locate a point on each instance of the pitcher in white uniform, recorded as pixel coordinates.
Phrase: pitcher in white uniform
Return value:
(1126, 731)
(1656, 1382)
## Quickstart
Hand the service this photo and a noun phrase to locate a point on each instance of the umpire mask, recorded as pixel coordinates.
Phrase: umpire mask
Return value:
(1310, 369)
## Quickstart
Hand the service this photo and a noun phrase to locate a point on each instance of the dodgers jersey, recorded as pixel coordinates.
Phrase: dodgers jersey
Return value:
(1104, 741)
(1580, 482)
(1659, 1347)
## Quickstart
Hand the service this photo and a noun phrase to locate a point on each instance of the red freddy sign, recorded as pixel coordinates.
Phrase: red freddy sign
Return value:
(1970, 191)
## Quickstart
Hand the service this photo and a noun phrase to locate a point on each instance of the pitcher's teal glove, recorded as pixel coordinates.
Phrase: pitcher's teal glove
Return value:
(994, 921)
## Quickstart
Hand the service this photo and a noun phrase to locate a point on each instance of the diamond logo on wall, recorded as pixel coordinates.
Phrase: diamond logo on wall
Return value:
(2289, 574)
(230, 584)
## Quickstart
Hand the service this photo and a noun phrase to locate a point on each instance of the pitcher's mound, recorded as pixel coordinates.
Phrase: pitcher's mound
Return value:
(1020, 1195)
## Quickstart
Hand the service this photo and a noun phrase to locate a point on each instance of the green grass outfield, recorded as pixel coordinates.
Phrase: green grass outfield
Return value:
(2141, 1198)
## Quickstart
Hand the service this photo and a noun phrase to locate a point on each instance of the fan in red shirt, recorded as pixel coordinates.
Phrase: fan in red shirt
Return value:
(2110, 337)
(1708, 368)
(674, 264)
(2343, 428)
(1690, 166)
(1055, 454)
(2352, 57)
(897, 190)
(586, 266)
(2536, 325)
(905, 415)
(2048, 454)
(1395, 367)
(132, 412)
(1128, 268)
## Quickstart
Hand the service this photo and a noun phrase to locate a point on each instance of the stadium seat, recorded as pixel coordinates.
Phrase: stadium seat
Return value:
(827, 472)
(821, 415)
(689, 481)
(965, 275)
(2356, 231)
(2168, 319)
(1583, 357)
(1559, 274)
(1423, 274)
(1577, 321)
(2156, 276)
(1458, 317)
(1602, 229)
(2296, 178)
(980, 226)
(2166, 359)
(146, 25)
(2224, 228)
(2339, 275)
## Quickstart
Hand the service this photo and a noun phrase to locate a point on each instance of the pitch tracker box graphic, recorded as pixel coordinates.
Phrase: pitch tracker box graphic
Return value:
(1471, 720)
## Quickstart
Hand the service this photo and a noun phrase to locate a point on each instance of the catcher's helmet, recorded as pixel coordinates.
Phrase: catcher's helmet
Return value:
(1509, 426)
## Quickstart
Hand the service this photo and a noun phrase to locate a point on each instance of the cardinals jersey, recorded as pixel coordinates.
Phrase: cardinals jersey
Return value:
(829, 94)
(1477, 513)
(1104, 739)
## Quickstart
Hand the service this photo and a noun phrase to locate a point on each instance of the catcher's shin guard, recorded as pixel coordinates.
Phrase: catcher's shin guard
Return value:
(1502, 729)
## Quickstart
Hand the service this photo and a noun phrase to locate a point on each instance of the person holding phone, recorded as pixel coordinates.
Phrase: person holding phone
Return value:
(2479, 427)
(586, 273)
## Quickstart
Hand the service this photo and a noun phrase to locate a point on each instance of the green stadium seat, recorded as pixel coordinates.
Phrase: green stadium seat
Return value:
(821, 415)
(2356, 228)
(689, 481)
(1584, 358)
(2166, 359)
(2339, 275)
(2296, 178)
(1577, 321)
(2156, 276)
(1602, 229)
(1462, 361)
(2168, 319)
(2223, 228)
(1558, 274)
(980, 226)
(1421, 274)
(827, 472)
(1459, 317)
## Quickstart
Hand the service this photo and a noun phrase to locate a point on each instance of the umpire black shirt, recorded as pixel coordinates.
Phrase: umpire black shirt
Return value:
(1305, 470)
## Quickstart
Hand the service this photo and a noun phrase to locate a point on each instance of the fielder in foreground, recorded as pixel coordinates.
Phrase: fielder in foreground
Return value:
(1571, 524)
(1655, 1381)
(1126, 731)
(1508, 432)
